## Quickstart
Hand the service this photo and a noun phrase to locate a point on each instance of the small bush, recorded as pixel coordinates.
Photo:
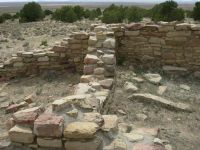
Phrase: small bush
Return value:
(6, 16)
(196, 11)
(48, 12)
(44, 42)
(1, 19)
(31, 12)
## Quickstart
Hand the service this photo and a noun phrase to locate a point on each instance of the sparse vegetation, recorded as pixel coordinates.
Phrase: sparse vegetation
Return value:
(31, 12)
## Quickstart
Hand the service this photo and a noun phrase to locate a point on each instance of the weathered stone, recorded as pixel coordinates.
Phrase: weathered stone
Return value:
(132, 137)
(146, 131)
(100, 29)
(141, 117)
(43, 59)
(93, 144)
(124, 127)
(153, 78)
(92, 41)
(27, 54)
(27, 116)
(48, 125)
(137, 79)
(159, 100)
(10, 123)
(117, 144)
(108, 59)
(161, 90)
(29, 99)
(73, 113)
(88, 69)
(99, 71)
(94, 117)
(185, 87)
(109, 43)
(95, 85)
(82, 88)
(21, 134)
(132, 33)
(174, 69)
(15, 107)
(86, 78)
(110, 123)
(83, 130)
(18, 64)
(51, 143)
(141, 146)
(80, 35)
(129, 87)
(107, 83)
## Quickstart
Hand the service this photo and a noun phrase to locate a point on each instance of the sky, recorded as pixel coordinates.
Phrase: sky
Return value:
(147, 1)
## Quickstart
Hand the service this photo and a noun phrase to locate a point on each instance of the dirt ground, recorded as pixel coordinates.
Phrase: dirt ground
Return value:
(29, 36)
(45, 89)
(180, 129)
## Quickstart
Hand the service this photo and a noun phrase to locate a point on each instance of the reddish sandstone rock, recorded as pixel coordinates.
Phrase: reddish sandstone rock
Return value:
(15, 107)
(10, 123)
(91, 59)
(88, 69)
(48, 125)
(141, 146)
(27, 116)
(107, 83)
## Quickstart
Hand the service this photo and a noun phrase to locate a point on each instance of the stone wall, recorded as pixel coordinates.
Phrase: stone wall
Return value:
(67, 54)
(160, 44)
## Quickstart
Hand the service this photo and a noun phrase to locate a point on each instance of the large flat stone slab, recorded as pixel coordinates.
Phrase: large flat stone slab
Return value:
(159, 100)
(81, 130)
(21, 134)
(48, 125)
(52, 143)
(83, 145)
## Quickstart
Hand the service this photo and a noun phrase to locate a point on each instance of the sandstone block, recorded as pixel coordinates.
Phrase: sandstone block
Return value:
(108, 59)
(94, 117)
(27, 116)
(81, 130)
(99, 71)
(107, 83)
(43, 59)
(88, 69)
(91, 59)
(48, 125)
(51, 143)
(21, 134)
(109, 43)
(81, 145)
(92, 41)
(110, 123)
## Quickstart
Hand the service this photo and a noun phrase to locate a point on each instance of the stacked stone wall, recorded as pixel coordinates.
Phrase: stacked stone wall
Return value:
(160, 44)
(67, 54)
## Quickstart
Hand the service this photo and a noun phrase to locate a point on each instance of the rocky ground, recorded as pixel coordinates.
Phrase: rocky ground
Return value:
(178, 127)
(36, 91)
(29, 36)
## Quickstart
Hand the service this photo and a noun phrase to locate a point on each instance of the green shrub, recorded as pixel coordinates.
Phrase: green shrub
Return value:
(16, 16)
(31, 12)
(196, 11)
(1, 19)
(47, 12)
(134, 14)
(113, 14)
(44, 42)
(167, 11)
(65, 14)
(79, 11)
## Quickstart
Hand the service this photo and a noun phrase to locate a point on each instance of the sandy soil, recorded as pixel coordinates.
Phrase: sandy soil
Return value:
(29, 36)
(181, 129)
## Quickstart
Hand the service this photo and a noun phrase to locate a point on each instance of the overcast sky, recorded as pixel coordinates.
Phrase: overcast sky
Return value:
(155, 1)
